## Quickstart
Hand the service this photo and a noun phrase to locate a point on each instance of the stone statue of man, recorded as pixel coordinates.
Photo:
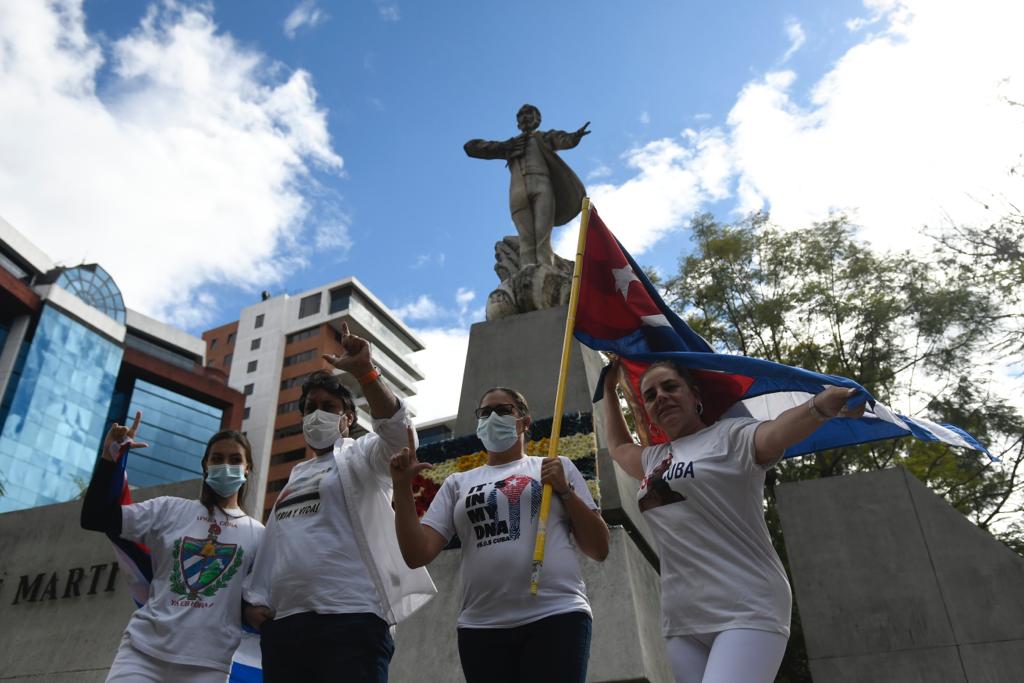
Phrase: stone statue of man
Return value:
(543, 191)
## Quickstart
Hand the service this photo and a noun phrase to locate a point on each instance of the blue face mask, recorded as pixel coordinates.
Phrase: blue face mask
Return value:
(498, 432)
(225, 479)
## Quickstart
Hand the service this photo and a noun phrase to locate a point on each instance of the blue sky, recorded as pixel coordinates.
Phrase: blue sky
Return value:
(204, 153)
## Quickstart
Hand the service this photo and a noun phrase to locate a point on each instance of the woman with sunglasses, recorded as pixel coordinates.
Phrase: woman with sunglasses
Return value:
(504, 633)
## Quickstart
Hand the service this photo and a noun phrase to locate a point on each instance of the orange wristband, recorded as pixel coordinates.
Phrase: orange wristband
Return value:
(371, 376)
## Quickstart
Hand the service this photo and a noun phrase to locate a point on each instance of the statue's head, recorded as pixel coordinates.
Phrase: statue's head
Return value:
(528, 118)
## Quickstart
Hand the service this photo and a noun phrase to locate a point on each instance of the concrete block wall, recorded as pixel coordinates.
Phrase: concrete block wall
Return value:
(69, 628)
(894, 584)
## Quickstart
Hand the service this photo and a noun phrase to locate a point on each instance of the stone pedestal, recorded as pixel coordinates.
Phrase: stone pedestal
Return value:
(523, 352)
(894, 584)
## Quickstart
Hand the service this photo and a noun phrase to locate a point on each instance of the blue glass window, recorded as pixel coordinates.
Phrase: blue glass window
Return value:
(57, 412)
(176, 428)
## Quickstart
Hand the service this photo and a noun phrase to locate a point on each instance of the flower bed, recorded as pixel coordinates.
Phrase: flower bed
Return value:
(576, 441)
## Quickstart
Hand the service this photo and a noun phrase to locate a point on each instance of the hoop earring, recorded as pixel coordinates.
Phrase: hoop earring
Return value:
(700, 408)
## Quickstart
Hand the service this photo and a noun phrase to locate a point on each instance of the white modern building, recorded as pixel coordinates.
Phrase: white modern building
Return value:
(276, 343)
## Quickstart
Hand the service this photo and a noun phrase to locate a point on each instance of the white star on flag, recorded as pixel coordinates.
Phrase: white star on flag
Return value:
(624, 276)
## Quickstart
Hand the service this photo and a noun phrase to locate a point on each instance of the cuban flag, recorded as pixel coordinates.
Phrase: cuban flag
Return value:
(619, 311)
(133, 558)
(136, 564)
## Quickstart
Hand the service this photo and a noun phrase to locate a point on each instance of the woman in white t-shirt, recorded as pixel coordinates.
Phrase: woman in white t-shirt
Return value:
(505, 634)
(191, 622)
(724, 594)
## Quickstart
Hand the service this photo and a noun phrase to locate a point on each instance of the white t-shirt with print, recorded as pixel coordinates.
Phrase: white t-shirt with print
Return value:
(703, 497)
(494, 510)
(313, 563)
(194, 611)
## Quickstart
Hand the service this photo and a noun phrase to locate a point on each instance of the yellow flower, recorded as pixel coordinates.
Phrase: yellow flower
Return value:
(468, 462)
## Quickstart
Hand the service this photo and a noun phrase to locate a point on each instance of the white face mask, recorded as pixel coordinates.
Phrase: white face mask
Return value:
(321, 429)
(498, 432)
(225, 479)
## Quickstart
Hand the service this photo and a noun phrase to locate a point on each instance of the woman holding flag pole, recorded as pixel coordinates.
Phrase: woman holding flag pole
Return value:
(505, 634)
(189, 622)
(725, 598)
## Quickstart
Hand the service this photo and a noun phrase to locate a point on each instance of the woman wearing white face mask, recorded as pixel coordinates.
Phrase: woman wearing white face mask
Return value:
(330, 579)
(506, 634)
(190, 625)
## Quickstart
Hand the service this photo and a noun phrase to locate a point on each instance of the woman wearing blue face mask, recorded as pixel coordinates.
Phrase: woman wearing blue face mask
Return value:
(201, 550)
(505, 634)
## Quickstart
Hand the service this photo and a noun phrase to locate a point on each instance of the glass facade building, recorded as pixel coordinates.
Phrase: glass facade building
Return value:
(56, 412)
(176, 428)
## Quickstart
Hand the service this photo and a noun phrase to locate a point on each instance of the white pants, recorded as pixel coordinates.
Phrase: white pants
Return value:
(740, 654)
(132, 666)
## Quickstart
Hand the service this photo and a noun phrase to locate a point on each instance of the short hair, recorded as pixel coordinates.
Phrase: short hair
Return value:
(207, 496)
(528, 107)
(330, 383)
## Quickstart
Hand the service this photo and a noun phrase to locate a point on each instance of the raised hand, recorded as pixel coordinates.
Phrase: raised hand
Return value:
(611, 378)
(832, 403)
(120, 439)
(404, 464)
(355, 358)
(582, 130)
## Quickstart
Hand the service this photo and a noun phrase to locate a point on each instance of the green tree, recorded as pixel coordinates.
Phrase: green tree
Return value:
(920, 332)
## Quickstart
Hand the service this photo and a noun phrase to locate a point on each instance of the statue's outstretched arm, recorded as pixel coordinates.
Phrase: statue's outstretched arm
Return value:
(559, 139)
(490, 149)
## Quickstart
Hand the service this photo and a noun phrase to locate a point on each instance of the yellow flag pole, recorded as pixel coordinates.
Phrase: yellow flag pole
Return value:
(563, 373)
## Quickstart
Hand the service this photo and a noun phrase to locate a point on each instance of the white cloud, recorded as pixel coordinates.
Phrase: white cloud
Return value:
(645, 118)
(795, 33)
(333, 237)
(910, 127)
(675, 177)
(463, 296)
(388, 10)
(422, 308)
(903, 131)
(601, 171)
(437, 259)
(425, 307)
(192, 172)
(306, 14)
(442, 362)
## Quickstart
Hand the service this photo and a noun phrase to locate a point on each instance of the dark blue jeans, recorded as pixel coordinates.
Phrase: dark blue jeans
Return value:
(550, 650)
(325, 648)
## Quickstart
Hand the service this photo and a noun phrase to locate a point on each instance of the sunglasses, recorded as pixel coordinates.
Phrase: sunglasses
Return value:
(500, 409)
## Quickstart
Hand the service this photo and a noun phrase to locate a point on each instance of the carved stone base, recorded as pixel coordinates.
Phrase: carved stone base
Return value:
(530, 288)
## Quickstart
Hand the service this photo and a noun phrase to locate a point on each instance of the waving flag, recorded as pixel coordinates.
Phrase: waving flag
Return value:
(620, 311)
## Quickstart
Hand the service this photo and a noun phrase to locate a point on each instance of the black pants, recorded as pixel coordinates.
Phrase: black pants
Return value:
(326, 648)
(550, 650)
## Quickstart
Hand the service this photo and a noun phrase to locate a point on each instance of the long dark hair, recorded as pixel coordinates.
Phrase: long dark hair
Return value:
(207, 496)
